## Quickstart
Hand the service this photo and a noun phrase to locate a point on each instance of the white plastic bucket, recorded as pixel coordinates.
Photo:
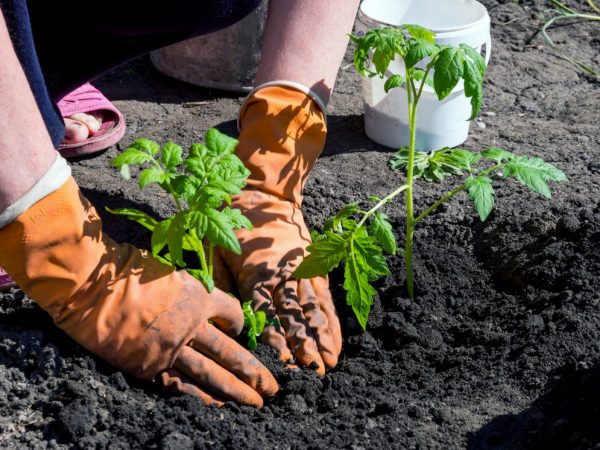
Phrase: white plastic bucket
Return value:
(439, 123)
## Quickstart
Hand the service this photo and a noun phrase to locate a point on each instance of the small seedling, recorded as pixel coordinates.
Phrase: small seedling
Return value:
(562, 12)
(254, 323)
(201, 186)
(358, 235)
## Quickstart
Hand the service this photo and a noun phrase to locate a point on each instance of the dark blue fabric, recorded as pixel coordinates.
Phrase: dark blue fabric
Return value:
(63, 44)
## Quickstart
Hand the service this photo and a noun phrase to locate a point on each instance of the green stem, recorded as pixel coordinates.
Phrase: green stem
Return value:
(382, 202)
(453, 192)
(410, 219)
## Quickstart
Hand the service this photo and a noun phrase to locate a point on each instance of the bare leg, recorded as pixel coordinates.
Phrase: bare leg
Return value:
(26, 150)
(305, 42)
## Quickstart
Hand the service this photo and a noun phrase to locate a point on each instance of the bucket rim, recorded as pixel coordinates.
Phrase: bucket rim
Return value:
(438, 31)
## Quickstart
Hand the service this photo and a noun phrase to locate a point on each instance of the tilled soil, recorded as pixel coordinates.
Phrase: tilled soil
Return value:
(501, 350)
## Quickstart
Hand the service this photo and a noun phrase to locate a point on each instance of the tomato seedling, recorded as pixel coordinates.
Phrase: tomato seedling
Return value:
(255, 323)
(201, 186)
(357, 235)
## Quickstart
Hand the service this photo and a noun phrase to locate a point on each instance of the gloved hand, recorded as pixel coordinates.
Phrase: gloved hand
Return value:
(128, 308)
(282, 132)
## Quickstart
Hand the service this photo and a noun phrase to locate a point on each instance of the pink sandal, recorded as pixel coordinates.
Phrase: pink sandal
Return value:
(86, 99)
(5, 280)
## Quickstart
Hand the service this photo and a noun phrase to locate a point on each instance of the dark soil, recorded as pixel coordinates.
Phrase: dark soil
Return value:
(501, 350)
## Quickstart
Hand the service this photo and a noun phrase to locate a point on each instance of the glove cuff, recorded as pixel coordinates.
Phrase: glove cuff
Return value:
(51, 181)
(282, 132)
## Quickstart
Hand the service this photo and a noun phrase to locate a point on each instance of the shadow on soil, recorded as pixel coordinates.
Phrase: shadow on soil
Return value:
(566, 416)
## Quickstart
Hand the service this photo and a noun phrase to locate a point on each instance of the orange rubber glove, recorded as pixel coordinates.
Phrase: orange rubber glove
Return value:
(128, 308)
(282, 132)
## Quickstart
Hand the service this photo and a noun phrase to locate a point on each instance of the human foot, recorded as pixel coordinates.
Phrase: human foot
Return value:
(92, 122)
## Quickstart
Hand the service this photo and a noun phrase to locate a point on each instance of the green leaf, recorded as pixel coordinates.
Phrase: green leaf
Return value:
(420, 33)
(197, 221)
(448, 71)
(175, 235)
(219, 143)
(151, 175)
(481, 193)
(237, 219)
(534, 173)
(159, 236)
(131, 156)
(476, 57)
(219, 231)
(473, 87)
(370, 255)
(497, 154)
(204, 277)
(197, 150)
(171, 155)
(136, 215)
(146, 146)
(381, 229)
(419, 74)
(393, 82)
(255, 323)
(184, 186)
(386, 43)
(324, 255)
(359, 293)
(125, 172)
(419, 50)
(196, 166)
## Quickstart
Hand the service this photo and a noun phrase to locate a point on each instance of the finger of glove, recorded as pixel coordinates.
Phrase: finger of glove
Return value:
(207, 374)
(297, 329)
(327, 305)
(318, 322)
(272, 335)
(235, 359)
(176, 382)
(226, 313)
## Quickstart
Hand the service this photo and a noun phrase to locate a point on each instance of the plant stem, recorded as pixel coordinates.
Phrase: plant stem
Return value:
(211, 252)
(410, 218)
(382, 202)
(453, 192)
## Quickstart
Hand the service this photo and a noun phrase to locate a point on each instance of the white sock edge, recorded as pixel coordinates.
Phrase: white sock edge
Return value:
(292, 84)
(51, 181)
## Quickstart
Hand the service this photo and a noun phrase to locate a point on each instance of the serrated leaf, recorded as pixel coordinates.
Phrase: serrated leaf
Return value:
(136, 215)
(219, 231)
(374, 199)
(204, 277)
(219, 143)
(131, 156)
(393, 82)
(448, 71)
(473, 86)
(359, 293)
(481, 193)
(197, 150)
(184, 186)
(159, 236)
(237, 219)
(175, 235)
(386, 43)
(419, 74)
(171, 155)
(534, 173)
(418, 32)
(497, 154)
(418, 50)
(197, 221)
(150, 175)
(369, 255)
(460, 158)
(381, 229)
(476, 57)
(146, 145)
(324, 255)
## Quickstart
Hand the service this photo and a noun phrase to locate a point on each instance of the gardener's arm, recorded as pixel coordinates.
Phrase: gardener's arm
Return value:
(113, 299)
(282, 132)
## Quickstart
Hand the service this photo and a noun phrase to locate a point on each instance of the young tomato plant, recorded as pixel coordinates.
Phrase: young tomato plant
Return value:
(358, 236)
(255, 323)
(201, 186)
